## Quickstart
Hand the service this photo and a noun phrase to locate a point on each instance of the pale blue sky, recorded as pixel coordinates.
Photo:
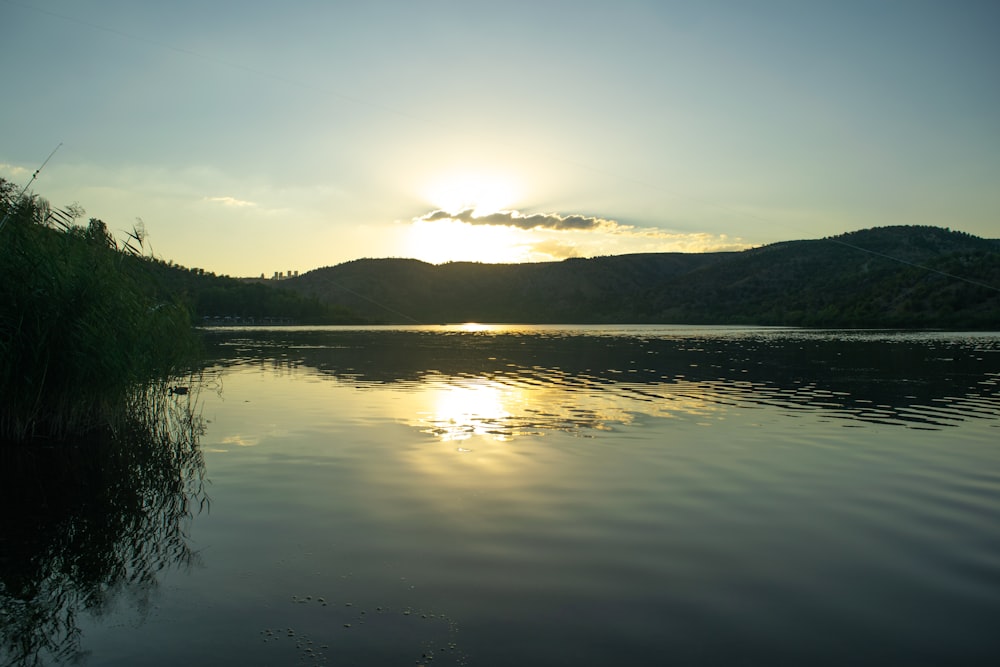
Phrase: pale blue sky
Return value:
(253, 137)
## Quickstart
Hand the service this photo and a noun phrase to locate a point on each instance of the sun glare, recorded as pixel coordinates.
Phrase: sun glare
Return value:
(451, 241)
(476, 327)
(484, 193)
(461, 412)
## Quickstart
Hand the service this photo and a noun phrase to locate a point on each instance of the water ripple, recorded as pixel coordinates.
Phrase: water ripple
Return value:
(879, 379)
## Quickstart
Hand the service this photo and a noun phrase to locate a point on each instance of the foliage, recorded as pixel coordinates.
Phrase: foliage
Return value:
(882, 277)
(213, 298)
(81, 323)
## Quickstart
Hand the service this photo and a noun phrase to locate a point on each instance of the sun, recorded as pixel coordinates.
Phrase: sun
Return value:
(443, 241)
(482, 191)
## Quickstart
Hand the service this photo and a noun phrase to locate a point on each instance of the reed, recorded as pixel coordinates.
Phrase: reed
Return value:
(81, 325)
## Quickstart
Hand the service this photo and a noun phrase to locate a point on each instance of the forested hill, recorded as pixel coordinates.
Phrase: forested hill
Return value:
(216, 299)
(904, 276)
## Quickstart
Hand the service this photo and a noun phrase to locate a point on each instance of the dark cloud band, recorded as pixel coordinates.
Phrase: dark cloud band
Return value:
(533, 221)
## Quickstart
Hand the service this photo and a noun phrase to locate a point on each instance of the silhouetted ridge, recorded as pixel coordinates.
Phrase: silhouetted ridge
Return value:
(901, 276)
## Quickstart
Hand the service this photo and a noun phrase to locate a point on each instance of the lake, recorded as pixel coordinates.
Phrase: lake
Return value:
(497, 495)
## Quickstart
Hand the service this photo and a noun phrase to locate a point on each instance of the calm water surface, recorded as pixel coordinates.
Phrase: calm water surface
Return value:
(580, 496)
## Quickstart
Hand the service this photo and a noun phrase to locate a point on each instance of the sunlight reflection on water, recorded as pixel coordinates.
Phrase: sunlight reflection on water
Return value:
(463, 408)
(499, 495)
(484, 379)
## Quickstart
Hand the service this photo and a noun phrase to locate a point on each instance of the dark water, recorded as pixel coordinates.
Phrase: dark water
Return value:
(545, 496)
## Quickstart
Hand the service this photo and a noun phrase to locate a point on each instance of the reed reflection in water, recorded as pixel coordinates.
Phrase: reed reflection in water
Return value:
(90, 525)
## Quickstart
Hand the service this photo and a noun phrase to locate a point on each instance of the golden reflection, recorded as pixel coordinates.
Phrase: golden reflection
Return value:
(499, 407)
(487, 431)
(455, 410)
(476, 327)
(241, 440)
(459, 412)
(455, 436)
(502, 409)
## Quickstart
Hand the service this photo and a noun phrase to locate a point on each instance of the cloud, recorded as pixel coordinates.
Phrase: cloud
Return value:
(532, 221)
(632, 241)
(555, 249)
(231, 201)
(599, 236)
(13, 170)
(691, 241)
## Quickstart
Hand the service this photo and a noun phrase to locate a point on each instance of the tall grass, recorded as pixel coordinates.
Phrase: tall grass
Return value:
(81, 328)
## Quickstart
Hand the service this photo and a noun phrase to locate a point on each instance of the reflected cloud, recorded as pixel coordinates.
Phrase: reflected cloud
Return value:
(522, 404)
(240, 440)
(461, 410)
(502, 410)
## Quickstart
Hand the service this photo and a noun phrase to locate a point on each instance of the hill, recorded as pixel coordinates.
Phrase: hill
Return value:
(216, 299)
(902, 276)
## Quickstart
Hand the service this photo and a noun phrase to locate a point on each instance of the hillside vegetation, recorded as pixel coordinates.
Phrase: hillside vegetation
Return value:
(214, 299)
(903, 276)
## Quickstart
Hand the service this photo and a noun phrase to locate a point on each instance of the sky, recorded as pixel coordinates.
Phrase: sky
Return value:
(261, 136)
